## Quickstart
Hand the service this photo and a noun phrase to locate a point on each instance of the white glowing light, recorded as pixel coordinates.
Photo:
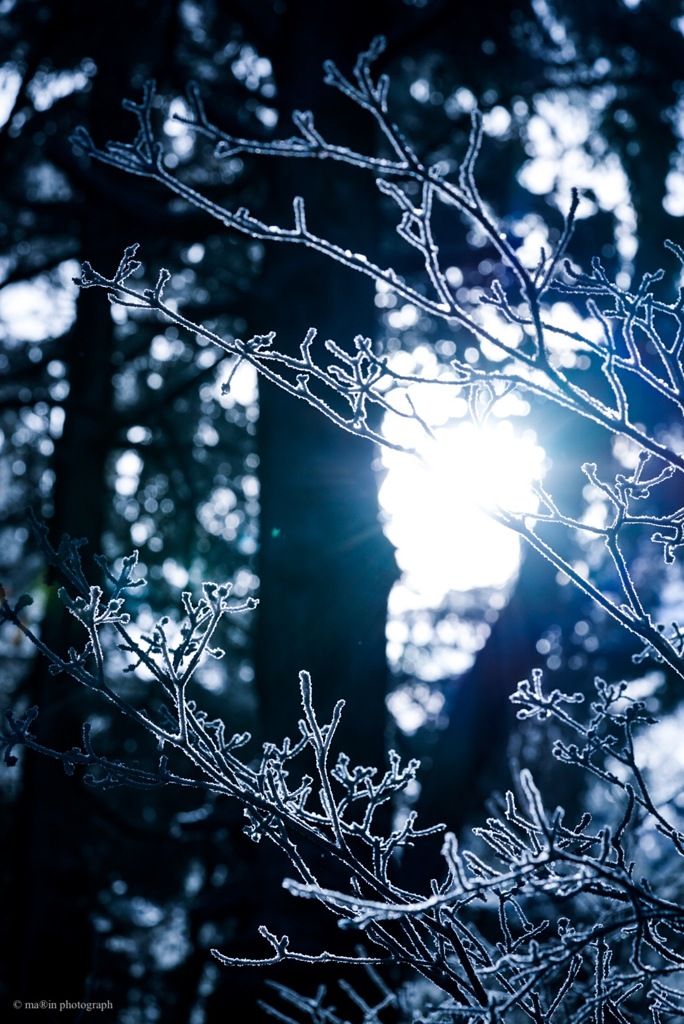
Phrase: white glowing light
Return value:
(44, 307)
(243, 386)
(128, 468)
(437, 506)
(10, 83)
(567, 151)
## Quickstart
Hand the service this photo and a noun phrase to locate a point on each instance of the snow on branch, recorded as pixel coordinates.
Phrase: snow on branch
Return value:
(362, 379)
(485, 935)
(627, 337)
(534, 918)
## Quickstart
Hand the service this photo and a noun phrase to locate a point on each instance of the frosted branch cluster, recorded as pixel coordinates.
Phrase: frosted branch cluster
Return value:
(522, 924)
(536, 918)
(630, 337)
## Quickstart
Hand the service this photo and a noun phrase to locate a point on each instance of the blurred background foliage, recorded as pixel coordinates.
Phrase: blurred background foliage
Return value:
(114, 428)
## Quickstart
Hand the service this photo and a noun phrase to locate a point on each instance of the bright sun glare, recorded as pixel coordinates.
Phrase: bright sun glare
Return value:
(436, 506)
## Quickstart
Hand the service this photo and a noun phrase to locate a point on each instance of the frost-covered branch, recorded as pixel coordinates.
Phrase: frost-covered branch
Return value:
(627, 337)
(533, 353)
(523, 914)
(533, 918)
(364, 379)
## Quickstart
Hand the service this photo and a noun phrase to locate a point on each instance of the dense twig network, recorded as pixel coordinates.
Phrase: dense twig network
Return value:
(589, 372)
(538, 919)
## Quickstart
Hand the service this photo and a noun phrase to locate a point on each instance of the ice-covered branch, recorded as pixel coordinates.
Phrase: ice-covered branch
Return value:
(533, 919)
(346, 389)
(483, 935)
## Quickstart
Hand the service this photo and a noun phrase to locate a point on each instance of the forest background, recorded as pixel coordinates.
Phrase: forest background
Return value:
(114, 429)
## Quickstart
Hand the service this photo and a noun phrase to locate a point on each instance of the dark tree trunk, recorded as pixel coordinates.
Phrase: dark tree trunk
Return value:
(51, 839)
(325, 566)
(55, 882)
